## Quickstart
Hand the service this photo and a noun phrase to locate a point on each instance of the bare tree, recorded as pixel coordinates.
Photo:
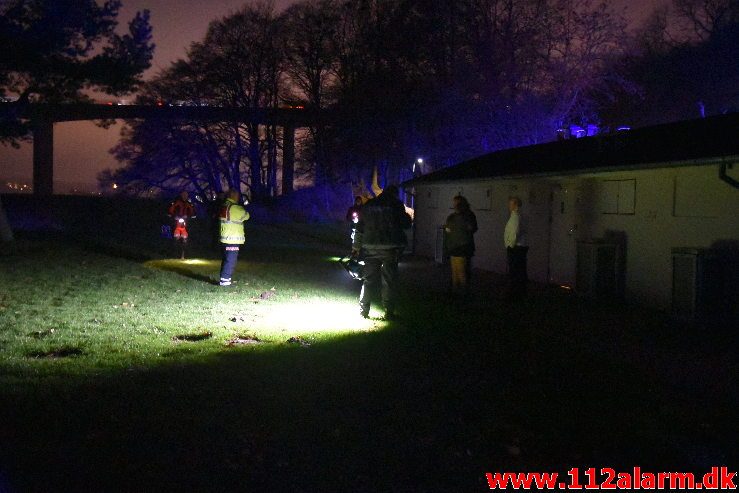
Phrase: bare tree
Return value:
(682, 64)
(238, 64)
(431, 78)
(311, 30)
(704, 17)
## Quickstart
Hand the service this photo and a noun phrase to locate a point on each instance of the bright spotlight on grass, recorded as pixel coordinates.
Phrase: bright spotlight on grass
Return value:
(318, 316)
(203, 265)
(196, 261)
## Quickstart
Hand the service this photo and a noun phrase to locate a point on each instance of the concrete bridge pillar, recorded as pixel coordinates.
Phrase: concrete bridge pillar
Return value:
(288, 159)
(43, 157)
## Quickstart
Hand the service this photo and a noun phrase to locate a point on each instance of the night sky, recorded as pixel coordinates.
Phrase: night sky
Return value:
(81, 149)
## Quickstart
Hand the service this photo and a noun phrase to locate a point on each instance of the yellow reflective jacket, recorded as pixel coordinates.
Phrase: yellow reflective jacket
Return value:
(232, 217)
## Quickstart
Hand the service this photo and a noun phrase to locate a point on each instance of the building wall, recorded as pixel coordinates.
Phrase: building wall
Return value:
(489, 201)
(651, 211)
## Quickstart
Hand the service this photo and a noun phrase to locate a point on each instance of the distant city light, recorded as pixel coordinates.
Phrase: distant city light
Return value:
(115, 185)
(20, 187)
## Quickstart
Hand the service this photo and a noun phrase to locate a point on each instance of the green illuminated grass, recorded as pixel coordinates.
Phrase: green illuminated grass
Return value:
(119, 313)
(115, 375)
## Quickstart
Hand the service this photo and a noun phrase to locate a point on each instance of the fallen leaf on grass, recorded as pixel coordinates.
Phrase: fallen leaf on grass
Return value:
(192, 337)
(124, 305)
(298, 340)
(40, 334)
(265, 295)
(243, 341)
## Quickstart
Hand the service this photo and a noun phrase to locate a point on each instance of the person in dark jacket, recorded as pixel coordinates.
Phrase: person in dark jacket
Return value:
(459, 243)
(352, 215)
(380, 240)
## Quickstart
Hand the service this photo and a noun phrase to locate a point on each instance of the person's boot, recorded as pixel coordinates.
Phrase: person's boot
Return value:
(364, 310)
(390, 313)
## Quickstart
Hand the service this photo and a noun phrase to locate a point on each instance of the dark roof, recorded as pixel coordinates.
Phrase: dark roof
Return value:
(706, 138)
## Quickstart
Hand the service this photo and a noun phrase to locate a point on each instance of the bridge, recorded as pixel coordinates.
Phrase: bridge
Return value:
(44, 115)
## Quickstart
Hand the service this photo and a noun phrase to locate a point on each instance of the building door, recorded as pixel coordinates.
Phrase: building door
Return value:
(563, 234)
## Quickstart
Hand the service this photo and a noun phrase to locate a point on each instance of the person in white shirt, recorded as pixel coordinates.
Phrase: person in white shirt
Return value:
(517, 249)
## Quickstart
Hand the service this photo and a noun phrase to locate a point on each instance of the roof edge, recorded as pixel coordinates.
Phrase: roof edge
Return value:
(717, 160)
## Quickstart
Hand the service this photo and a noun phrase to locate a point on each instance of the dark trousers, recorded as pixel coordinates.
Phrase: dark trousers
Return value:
(381, 267)
(180, 247)
(518, 278)
(228, 262)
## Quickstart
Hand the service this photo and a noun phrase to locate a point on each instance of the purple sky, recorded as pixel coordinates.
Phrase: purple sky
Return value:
(81, 149)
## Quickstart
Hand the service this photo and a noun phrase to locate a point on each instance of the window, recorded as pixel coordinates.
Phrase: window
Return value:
(618, 197)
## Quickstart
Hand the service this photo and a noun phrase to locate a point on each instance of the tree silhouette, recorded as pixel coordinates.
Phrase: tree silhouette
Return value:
(441, 80)
(52, 51)
(239, 63)
(684, 65)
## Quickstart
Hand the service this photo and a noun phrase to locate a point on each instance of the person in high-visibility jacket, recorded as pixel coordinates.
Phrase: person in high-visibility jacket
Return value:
(231, 217)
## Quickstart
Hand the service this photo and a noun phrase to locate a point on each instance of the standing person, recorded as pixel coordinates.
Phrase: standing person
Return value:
(181, 210)
(380, 240)
(517, 249)
(459, 243)
(352, 215)
(231, 217)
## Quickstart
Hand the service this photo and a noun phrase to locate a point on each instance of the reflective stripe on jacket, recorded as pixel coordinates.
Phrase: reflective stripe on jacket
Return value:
(232, 217)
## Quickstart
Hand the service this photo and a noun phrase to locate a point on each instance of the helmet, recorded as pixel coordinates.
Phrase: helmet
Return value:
(353, 266)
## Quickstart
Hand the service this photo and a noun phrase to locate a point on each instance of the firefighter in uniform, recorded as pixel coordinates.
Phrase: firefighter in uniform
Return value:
(380, 240)
(231, 217)
(181, 211)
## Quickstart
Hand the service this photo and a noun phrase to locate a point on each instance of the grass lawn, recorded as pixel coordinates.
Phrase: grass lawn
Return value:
(116, 374)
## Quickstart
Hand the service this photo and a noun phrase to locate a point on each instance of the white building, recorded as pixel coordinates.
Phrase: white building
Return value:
(648, 190)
